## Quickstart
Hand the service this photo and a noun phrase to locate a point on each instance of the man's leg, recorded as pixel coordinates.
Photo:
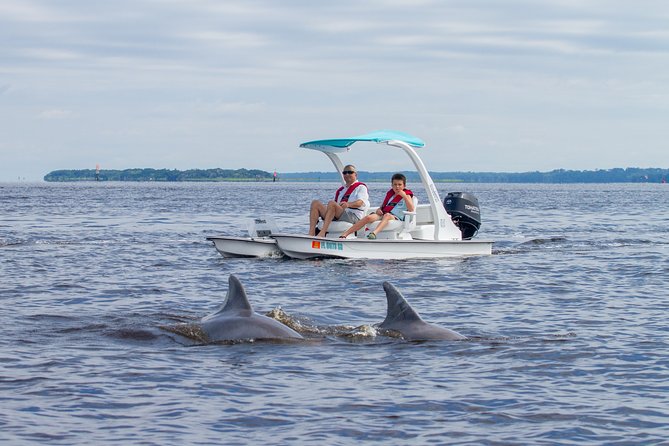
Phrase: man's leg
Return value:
(332, 212)
(316, 211)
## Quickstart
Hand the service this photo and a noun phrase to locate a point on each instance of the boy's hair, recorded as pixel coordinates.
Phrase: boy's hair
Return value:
(399, 176)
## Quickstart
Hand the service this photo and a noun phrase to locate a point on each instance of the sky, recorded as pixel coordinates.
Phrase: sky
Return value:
(489, 85)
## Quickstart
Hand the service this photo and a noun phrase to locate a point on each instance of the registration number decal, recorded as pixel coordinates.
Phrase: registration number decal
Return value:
(322, 244)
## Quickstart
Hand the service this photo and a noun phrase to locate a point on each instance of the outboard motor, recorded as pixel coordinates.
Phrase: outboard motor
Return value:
(463, 208)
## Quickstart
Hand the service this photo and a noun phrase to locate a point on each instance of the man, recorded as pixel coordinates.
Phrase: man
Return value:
(350, 203)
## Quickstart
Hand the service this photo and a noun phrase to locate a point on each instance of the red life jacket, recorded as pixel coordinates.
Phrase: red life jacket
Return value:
(348, 192)
(389, 204)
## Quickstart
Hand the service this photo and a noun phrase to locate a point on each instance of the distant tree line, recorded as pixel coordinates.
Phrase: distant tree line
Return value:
(617, 175)
(159, 175)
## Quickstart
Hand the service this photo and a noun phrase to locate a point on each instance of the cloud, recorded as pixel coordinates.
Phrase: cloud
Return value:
(55, 114)
(51, 55)
(30, 12)
(228, 39)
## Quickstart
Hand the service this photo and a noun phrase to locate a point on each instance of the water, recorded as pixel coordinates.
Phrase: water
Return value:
(567, 320)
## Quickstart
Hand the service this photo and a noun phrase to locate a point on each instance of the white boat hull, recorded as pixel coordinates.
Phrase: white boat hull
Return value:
(306, 247)
(246, 246)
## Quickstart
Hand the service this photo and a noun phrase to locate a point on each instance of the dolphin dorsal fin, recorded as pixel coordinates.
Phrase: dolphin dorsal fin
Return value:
(236, 298)
(398, 308)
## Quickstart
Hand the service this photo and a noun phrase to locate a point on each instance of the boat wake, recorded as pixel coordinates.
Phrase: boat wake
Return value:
(569, 244)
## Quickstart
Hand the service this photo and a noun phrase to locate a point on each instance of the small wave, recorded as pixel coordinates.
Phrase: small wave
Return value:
(48, 242)
(633, 242)
(305, 328)
(50, 317)
(84, 328)
(569, 244)
(591, 243)
(18, 242)
(192, 331)
(134, 334)
(9, 243)
(557, 337)
(54, 242)
(361, 332)
(544, 240)
(522, 245)
(300, 326)
(9, 197)
(23, 381)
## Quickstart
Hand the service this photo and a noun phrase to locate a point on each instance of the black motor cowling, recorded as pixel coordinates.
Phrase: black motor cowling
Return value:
(463, 208)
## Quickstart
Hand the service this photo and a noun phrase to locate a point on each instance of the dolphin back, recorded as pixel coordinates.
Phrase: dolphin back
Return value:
(403, 318)
(236, 299)
(240, 328)
(236, 320)
(398, 308)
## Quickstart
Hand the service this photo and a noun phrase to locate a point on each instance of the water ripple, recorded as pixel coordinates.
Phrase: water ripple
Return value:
(568, 343)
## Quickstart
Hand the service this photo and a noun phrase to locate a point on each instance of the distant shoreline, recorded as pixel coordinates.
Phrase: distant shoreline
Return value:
(616, 175)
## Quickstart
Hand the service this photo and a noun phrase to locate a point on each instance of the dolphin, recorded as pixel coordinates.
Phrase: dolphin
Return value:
(401, 317)
(236, 320)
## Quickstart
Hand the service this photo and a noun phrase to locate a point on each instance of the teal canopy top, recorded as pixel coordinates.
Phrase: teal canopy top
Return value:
(342, 144)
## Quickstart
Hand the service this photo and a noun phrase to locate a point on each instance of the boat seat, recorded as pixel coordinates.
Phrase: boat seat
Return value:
(424, 215)
(336, 228)
(424, 229)
(397, 229)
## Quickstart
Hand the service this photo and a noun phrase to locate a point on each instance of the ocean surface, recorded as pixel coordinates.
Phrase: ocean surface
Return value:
(567, 320)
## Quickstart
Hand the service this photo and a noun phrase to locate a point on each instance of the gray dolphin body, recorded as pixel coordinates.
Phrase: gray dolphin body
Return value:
(236, 320)
(401, 317)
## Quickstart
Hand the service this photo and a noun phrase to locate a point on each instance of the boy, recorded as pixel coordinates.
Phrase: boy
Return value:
(398, 199)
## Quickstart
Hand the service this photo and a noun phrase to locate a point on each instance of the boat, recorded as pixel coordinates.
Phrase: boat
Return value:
(433, 230)
(246, 246)
(259, 243)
